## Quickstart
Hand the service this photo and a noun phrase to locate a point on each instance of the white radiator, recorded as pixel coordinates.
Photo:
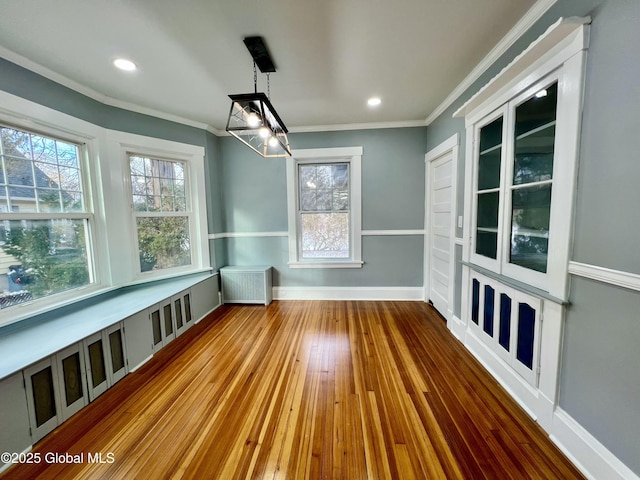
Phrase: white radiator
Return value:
(251, 284)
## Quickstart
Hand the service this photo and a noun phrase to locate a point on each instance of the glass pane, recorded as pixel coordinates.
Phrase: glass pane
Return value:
(117, 351)
(505, 321)
(325, 235)
(159, 183)
(475, 301)
(163, 242)
(48, 164)
(526, 332)
(178, 309)
(155, 323)
(487, 226)
(168, 320)
(187, 307)
(489, 298)
(537, 111)
(530, 227)
(96, 359)
(489, 155)
(43, 396)
(535, 137)
(324, 187)
(48, 256)
(72, 378)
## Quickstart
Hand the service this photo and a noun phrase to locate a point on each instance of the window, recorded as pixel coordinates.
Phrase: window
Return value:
(324, 208)
(44, 218)
(161, 212)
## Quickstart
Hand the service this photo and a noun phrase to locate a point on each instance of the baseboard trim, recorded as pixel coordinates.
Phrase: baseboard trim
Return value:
(4, 466)
(348, 293)
(588, 454)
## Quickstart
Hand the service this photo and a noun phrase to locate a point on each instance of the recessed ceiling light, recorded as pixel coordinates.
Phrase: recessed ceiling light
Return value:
(374, 101)
(124, 64)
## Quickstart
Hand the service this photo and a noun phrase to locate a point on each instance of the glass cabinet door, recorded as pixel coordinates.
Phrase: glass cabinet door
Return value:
(534, 140)
(95, 360)
(489, 140)
(41, 381)
(71, 380)
(117, 353)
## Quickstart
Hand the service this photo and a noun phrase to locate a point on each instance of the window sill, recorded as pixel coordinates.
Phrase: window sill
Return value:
(345, 264)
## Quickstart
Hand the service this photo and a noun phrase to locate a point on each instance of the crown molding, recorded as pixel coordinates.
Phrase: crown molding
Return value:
(527, 21)
(358, 126)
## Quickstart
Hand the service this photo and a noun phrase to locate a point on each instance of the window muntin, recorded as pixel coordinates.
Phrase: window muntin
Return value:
(44, 221)
(162, 213)
(324, 211)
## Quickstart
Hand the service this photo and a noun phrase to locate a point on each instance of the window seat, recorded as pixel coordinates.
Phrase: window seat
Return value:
(31, 340)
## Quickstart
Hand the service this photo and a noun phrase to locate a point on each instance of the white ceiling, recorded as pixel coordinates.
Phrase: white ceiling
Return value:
(331, 55)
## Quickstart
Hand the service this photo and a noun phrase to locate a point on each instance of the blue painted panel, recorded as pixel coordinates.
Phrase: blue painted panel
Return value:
(526, 332)
(505, 321)
(489, 300)
(475, 301)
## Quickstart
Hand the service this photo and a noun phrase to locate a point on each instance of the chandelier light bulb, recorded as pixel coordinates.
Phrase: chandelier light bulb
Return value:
(253, 120)
(273, 142)
(264, 132)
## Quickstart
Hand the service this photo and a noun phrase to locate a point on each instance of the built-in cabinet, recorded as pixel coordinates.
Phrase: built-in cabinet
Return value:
(37, 399)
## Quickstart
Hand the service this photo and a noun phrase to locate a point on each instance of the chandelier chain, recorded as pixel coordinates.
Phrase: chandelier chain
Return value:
(268, 87)
(255, 78)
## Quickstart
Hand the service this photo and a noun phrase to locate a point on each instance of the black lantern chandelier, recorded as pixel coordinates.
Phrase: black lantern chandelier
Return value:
(252, 118)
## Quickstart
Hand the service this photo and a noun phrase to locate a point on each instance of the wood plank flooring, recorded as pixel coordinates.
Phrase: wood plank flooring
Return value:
(315, 390)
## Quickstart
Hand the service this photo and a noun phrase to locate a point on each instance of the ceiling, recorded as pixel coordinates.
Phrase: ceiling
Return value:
(330, 55)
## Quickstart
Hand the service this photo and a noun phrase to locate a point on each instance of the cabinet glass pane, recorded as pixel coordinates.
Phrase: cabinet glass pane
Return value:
(72, 378)
(96, 361)
(535, 138)
(531, 208)
(178, 309)
(487, 224)
(489, 297)
(155, 323)
(168, 320)
(187, 307)
(526, 332)
(117, 352)
(43, 396)
(489, 155)
(504, 336)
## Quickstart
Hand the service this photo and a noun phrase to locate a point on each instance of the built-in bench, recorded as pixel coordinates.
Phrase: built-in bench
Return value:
(53, 364)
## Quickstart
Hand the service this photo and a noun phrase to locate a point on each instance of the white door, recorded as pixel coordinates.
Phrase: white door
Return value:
(439, 254)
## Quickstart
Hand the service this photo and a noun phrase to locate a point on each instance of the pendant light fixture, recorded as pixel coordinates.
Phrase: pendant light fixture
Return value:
(252, 118)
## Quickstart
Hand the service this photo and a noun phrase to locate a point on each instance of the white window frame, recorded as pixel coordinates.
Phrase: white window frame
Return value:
(193, 158)
(350, 155)
(31, 117)
(105, 177)
(560, 54)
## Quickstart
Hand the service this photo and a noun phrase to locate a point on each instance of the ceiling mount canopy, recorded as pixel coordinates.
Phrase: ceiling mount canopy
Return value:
(252, 118)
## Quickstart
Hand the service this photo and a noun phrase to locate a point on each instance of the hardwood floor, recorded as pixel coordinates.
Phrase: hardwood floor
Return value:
(300, 389)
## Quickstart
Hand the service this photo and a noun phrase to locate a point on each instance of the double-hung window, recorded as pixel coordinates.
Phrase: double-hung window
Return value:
(45, 217)
(324, 208)
(162, 212)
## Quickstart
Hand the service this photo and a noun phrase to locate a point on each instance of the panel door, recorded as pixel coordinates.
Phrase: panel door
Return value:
(71, 380)
(440, 259)
(138, 333)
(178, 305)
(116, 355)
(42, 397)
(95, 353)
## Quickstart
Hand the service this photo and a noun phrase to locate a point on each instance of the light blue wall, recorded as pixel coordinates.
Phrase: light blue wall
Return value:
(599, 372)
(255, 200)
